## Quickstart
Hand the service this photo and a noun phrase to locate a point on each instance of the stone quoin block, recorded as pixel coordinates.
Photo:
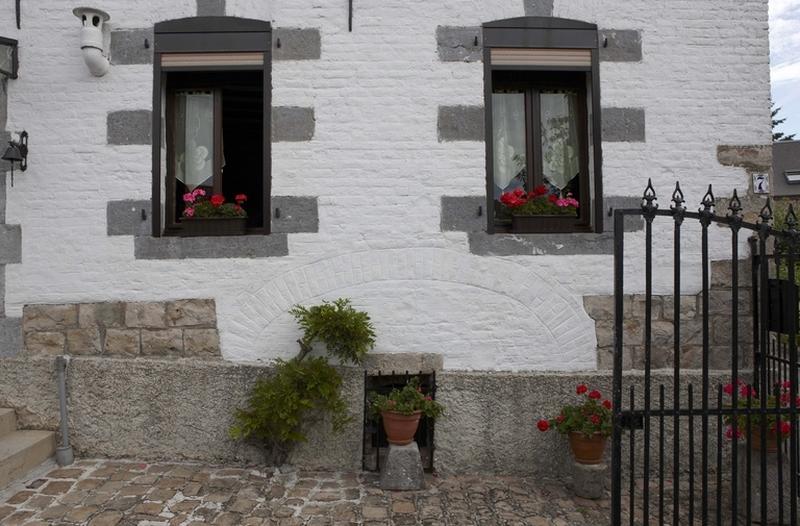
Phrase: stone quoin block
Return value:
(111, 314)
(620, 45)
(124, 218)
(458, 44)
(623, 125)
(210, 247)
(201, 343)
(630, 223)
(127, 46)
(123, 342)
(210, 7)
(49, 317)
(146, 314)
(162, 342)
(297, 214)
(463, 214)
(83, 341)
(45, 342)
(10, 336)
(192, 313)
(296, 43)
(10, 244)
(538, 7)
(461, 123)
(292, 124)
(128, 127)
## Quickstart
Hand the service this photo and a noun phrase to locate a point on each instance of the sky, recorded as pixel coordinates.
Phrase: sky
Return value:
(784, 29)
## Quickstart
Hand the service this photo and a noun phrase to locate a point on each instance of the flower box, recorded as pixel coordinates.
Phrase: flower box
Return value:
(213, 226)
(541, 224)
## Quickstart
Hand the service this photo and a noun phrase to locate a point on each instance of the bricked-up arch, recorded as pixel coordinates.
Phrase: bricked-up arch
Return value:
(565, 337)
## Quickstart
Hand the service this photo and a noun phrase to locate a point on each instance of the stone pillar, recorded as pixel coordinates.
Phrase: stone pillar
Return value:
(403, 468)
(589, 481)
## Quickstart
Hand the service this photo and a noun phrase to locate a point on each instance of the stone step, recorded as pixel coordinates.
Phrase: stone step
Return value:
(21, 451)
(8, 421)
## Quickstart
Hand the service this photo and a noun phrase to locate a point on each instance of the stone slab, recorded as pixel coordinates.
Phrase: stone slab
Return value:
(622, 45)
(124, 218)
(589, 481)
(402, 470)
(538, 7)
(127, 46)
(458, 43)
(460, 123)
(297, 214)
(10, 244)
(463, 213)
(484, 244)
(210, 247)
(292, 124)
(10, 336)
(128, 127)
(613, 202)
(210, 7)
(296, 43)
(623, 125)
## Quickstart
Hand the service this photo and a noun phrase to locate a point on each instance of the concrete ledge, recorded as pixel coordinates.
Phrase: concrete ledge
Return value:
(127, 46)
(124, 218)
(484, 244)
(538, 7)
(10, 244)
(128, 127)
(297, 214)
(461, 123)
(624, 45)
(296, 43)
(210, 7)
(623, 125)
(292, 124)
(210, 247)
(457, 44)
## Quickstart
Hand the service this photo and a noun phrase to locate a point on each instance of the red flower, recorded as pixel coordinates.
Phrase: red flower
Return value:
(607, 404)
(240, 198)
(786, 428)
(581, 389)
(539, 190)
(560, 418)
(217, 199)
(595, 420)
(552, 198)
(513, 199)
(428, 398)
(731, 431)
(595, 395)
(728, 389)
(543, 425)
(746, 391)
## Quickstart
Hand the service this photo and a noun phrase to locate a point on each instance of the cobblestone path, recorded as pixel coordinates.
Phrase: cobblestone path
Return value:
(105, 493)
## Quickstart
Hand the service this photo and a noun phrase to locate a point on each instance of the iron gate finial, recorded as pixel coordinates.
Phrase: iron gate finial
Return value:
(707, 210)
(678, 201)
(735, 205)
(766, 213)
(649, 201)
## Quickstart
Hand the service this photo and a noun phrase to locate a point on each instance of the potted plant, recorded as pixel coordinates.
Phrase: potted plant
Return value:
(777, 425)
(587, 424)
(401, 410)
(212, 216)
(539, 210)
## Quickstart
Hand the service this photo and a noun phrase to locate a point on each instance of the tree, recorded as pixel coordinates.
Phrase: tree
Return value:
(777, 121)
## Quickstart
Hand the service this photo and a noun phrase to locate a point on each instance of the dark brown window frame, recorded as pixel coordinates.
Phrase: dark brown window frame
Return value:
(207, 35)
(548, 33)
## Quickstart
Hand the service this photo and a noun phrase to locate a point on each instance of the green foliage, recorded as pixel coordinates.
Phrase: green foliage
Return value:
(206, 209)
(406, 401)
(777, 121)
(589, 417)
(347, 333)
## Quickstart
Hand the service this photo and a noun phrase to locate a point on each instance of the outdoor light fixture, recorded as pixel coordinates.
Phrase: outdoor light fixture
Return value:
(9, 57)
(94, 38)
(17, 152)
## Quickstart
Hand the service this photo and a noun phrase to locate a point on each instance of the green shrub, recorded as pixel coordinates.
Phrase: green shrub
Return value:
(406, 401)
(301, 388)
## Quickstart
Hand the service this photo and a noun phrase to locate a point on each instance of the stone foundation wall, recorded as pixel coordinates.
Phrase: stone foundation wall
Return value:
(182, 328)
(601, 309)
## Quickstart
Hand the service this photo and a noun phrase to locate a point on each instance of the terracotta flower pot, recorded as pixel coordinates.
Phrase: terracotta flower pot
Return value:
(400, 429)
(587, 449)
(755, 440)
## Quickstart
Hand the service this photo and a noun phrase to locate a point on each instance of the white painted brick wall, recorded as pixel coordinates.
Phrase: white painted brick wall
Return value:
(379, 171)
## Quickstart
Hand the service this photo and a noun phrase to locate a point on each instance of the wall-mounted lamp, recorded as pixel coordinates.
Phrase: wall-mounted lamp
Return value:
(95, 38)
(9, 57)
(17, 152)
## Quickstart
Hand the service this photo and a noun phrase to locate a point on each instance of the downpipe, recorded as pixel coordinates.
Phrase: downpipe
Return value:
(64, 455)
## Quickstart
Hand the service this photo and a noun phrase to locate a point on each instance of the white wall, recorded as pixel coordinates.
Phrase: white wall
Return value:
(379, 172)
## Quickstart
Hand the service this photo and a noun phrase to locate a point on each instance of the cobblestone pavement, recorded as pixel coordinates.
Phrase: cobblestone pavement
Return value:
(106, 493)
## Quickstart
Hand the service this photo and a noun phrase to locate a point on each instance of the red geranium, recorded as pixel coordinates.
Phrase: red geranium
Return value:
(607, 404)
(540, 190)
(581, 389)
(595, 395)
(588, 417)
(543, 425)
(240, 198)
(594, 419)
(217, 199)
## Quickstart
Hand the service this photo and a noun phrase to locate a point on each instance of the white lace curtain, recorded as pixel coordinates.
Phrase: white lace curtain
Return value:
(508, 125)
(194, 116)
(559, 138)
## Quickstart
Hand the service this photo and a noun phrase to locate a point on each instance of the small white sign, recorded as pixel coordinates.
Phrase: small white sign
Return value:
(761, 183)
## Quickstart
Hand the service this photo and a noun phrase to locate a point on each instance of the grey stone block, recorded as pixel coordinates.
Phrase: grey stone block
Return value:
(484, 244)
(210, 247)
(623, 125)
(192, 313)
(127, 46)
(589, 481)
(538, 7)
(463, 213)
(292, 124)
(150, 314)
(2, 291)
(457, 44)
(49, 317)
(297, 214)
(623, 45)
(3, 167)
(613, 202)
(10, 244)
(210, 7)
(10, 336)
(128, 127)
(296, 43)
(403, 468)
(124, 218)
(461, 123)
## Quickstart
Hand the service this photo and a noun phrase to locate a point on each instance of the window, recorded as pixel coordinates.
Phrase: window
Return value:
(542, 119)
(212, 91)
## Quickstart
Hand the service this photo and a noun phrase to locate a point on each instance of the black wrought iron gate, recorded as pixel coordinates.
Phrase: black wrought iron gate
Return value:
(715, 440)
